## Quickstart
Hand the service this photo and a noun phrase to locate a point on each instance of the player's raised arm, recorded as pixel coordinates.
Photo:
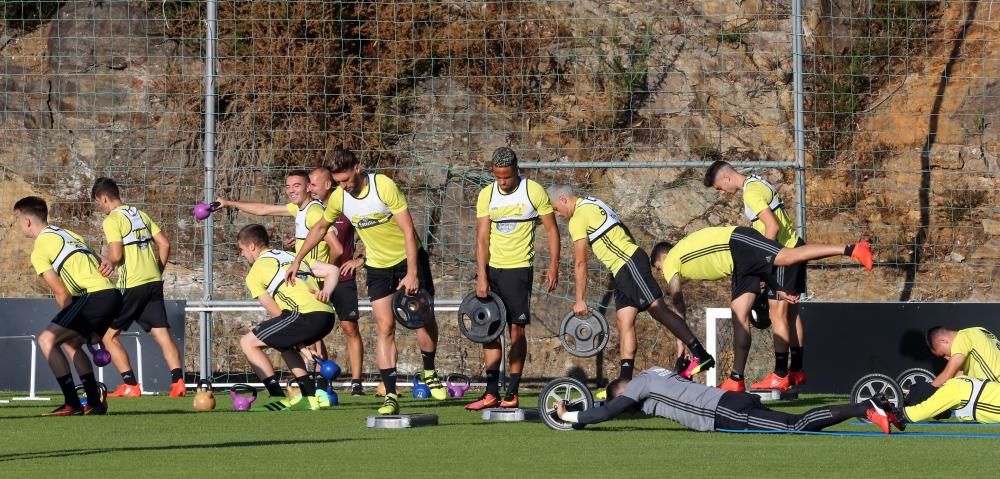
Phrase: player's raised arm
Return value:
(258, 209)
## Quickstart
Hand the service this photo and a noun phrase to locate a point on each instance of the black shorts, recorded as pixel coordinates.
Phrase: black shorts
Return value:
(383, 282)
(753, 259)
(91, 313)
(738, 407)
(293, 329)
(634, 283)
(142, 304)
(513, 285)
(345, 300)
(792, 279)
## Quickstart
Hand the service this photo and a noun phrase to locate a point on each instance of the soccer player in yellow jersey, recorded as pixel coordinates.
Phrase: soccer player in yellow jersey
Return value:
(973, 351)
(131, 236)
(966, 398)
(507, 212)
(302, 206)
(299, 316)
(718, 252)
(87, 300)
(766, 212)
(594, 225)
(394, 260)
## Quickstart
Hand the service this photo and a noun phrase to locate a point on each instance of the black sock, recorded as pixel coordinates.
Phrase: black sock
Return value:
(321, 382)
(176, 375)
(90, 387)
(795, 358)
(515, 381)
(389, 379)
(272, 386)
(69, 391)
(307, 385)
(493, 382)
(848, 249)
(735, 376)
(428, 358)
(129, 378)
(698, 350)
(355, 381)
(781, 364)
(625, 370)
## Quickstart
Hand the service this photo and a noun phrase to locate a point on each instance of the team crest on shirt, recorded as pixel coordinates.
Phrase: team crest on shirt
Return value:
(372, 220)
(506, 227)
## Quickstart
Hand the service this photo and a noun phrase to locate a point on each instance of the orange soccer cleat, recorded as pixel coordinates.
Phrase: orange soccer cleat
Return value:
(178, 389)
(863, 254)
(733, 385)
(126, 391)
(513, 403)
(486, 401)
(772, 381)
(64, 410)
(796, 378)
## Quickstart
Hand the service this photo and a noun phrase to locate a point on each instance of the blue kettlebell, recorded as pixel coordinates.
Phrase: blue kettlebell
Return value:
(328, 368)
(420, 390)
(334, 400)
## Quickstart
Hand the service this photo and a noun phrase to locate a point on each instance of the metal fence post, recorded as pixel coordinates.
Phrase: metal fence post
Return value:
(799, 124)
(205, 324)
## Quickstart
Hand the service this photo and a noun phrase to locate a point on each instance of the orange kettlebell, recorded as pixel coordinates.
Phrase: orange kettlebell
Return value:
(204, 399)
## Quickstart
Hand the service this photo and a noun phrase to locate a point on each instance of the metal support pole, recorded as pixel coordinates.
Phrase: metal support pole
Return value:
(799, 124)
(649, 164)
(205, 336)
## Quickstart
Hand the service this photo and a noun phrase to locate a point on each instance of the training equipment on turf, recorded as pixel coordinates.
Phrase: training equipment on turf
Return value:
(101, 355)
(510, 415)
(328, 368)
(204, 399)
(420, 390)
(241, 401)
(204, 210)
(401, 421)
(457, 385)
(760, 316)
(482, 320)
(909, 378)
(412, 311)
(874, 384)
(572, 392)
(584, 337)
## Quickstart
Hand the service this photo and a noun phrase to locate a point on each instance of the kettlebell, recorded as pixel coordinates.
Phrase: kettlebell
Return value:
(328, 368)
(204, 399)
(420, 390)
(457, 385)
(242, 402)
(334, 400)
(101, 355)
(380, 390)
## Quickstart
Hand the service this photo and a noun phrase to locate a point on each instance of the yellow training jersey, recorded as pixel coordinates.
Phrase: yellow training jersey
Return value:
(702, 255)
(371, 214)
(267, 276)
(759, 195)
(513, 217)
(596, 222)
(972, 400)
(305, 218)
(134, 230)
(981, 350)
(65, 253)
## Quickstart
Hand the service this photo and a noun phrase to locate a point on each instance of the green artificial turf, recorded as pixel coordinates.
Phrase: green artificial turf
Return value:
(160, 436)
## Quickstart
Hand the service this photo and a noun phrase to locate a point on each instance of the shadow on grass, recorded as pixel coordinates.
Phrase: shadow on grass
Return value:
(106, 450)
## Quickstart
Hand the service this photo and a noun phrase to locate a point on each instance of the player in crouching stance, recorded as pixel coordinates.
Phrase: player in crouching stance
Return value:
(299, 315)
(661, 392)
(87, 300)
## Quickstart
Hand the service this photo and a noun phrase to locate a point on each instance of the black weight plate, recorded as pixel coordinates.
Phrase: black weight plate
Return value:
(411, 311)
(584, 337)
(482, 320)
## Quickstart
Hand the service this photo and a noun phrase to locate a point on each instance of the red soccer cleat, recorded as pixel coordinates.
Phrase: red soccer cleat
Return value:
(772, 381)
(796, 378)
(733, 385)
(486, 401)
(863, 254)
(126, 391)
(513, 403)
(878, 417)
(178, 389)
(64, 410)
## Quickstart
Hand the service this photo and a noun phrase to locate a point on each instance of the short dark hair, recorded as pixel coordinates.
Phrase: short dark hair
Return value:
(254, 234)
(504, 157)
(33, 206)
(105, 186)
(300, 173)
(933, 333)
(613, 386)
(713, 171)
(661, 248)
(342, 160)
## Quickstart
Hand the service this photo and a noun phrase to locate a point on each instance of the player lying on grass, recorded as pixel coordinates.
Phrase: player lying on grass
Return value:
(974, 351)
(300, 316)
(965, 398)
(661, 392)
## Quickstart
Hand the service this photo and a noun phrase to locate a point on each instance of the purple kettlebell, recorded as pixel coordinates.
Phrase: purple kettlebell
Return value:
(204, 210)
(458, 384)
(101, 356)
(242, 402)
